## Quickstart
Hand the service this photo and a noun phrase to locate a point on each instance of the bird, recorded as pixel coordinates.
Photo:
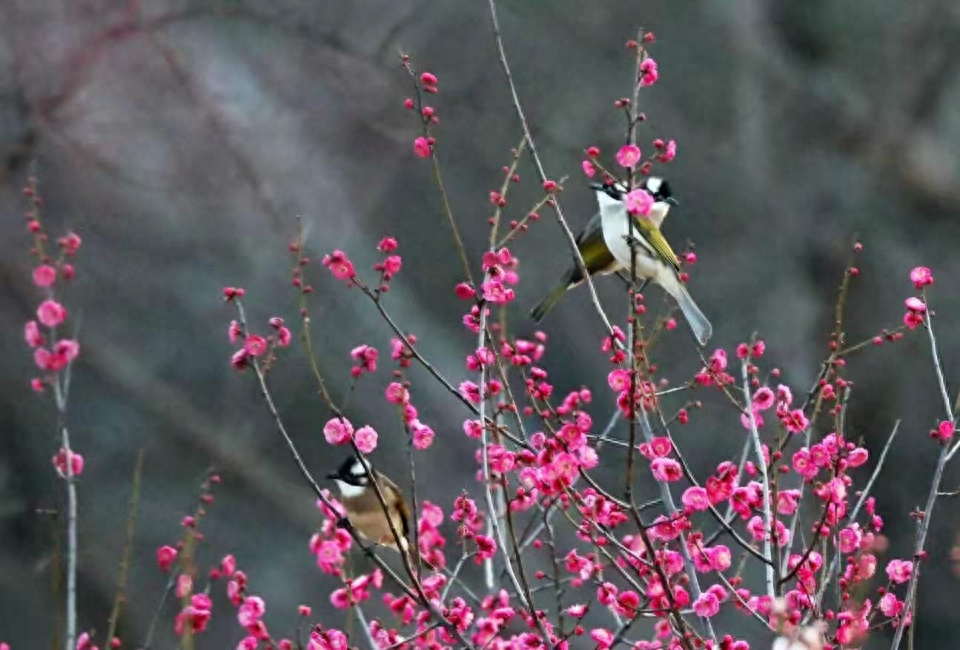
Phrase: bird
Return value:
(363, 507)
(605, 245)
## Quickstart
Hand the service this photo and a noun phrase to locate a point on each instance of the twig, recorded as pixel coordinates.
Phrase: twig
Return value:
(835, 564)
(412, 637)
(518, 107)
(70, 635)
(132, 507)
(909, 603)
(671, 509)
(366, 628)
(417, 595)
(762, 463)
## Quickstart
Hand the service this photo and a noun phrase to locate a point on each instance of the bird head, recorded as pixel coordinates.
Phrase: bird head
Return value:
(351, 472)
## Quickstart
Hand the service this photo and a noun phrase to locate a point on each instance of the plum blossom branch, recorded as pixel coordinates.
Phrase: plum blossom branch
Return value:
(417, 594)
(558, 211)
(924, 524)
(768, 531)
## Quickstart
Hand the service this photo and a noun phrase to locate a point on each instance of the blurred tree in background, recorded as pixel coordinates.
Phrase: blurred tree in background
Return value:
(181, 139)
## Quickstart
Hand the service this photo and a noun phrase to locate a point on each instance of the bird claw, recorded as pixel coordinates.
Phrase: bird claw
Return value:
(632, 241)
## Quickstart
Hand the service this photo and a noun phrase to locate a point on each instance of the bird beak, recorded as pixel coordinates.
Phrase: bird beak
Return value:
(672, 201)
(333, 475)
(597, 187)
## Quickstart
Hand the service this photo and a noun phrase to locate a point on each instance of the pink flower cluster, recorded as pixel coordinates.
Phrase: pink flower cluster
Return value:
(339, 431)
(500, 269)
(255, 345)
(330, 545)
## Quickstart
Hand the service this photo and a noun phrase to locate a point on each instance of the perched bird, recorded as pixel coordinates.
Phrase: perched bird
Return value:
(605, 246)
(364, 511)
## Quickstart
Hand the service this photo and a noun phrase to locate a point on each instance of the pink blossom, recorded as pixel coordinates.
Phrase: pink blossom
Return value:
(666, 469)
(255, 345)
(422, 435)
(787, 501)
(486, 547)
(921, 277)
(421, 147)
(695, 498)
(84, 642)
(228, 565)
(60, 462)
(890, 606)
(337, 431)
(464, 291)
(67, 350)
(44, 275)
(37, 385)
(589, 169)
(366, 439)
(165, 557)
(387, 245)
(70, 243)
(339, 265)
(184, 585)
(857, 457)
(945, 430)
(366, 356)
(763, 399)
(850, 538)
(32, 335)
(669, 152)
(283, 336)
(718, 361)
(707, 605)
(649, 72)
(795, 421)
(720, 557)
(639, 202)
(470, 391)
(51, 313)
(428, 79)
(396, 393)
(629, 155)
(602, 637)
(577, 611)
(251, 611)
(915, 305)
(196, 615)
(233, 331)
(899, 571)
(239, 359)
(911, 319)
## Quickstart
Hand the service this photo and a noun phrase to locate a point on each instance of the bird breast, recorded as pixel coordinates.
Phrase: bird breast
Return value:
(614, 224)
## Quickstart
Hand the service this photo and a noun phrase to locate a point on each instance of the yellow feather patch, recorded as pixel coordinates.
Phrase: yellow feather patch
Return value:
(656, 239)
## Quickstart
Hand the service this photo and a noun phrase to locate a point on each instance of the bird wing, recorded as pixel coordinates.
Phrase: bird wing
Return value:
(659, 243)
(393, 496)
(593, 249)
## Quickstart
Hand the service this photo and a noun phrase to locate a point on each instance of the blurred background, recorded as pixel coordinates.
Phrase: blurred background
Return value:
(180, 139)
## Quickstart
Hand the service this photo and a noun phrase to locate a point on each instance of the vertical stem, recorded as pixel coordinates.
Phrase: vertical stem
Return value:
(70, 626)
(762, 464)
(909, 600)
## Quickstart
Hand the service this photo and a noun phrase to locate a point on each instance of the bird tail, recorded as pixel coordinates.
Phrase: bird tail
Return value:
(541, 308)
(701, 327)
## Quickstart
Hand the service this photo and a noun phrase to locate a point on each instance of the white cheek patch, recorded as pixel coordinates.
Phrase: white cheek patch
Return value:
(350, 491)
(653, 184)
(608, 203)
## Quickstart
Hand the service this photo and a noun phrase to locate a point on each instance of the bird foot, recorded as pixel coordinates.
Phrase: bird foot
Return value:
(632, 241)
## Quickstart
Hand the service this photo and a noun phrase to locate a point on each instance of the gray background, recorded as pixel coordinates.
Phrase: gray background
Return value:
(180, 139)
